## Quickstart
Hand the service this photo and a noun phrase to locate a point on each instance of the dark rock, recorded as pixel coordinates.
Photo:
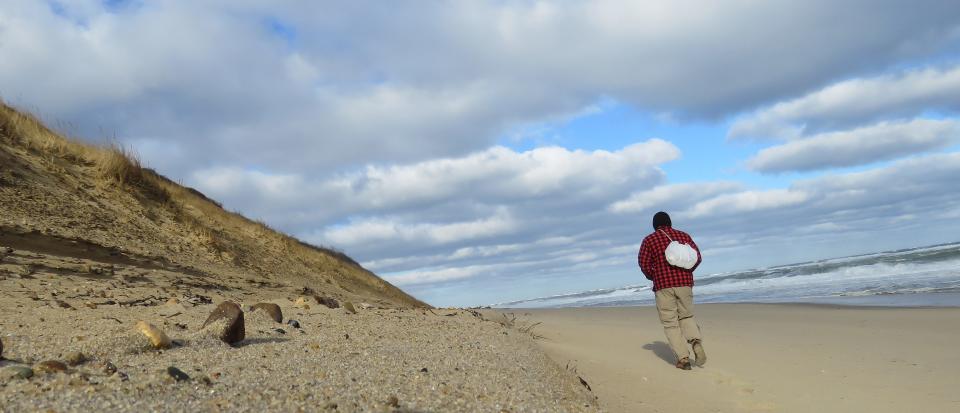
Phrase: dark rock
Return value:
(327, 301)
(393, 401)
(108, 368)
(177, 374)
(63, 304)
(584, 383)
(233, 330)
(1, 349)
(280, 330)
(293, 323)
(272, 309)
(50, 366)
(423, 370)
(8, 250)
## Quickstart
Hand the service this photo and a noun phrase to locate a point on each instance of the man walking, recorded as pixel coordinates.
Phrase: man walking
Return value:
(673, 288)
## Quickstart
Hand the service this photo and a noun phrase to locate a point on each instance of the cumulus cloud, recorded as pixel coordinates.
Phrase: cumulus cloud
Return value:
(854, 102)
(672, 196)
(295, 87)
(860, 146)
(374, 125)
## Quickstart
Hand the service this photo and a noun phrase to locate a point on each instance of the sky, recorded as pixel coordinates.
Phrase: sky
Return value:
(477, 152)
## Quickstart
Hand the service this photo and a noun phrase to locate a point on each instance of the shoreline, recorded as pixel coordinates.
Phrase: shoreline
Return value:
(898, 300)
(763, 357)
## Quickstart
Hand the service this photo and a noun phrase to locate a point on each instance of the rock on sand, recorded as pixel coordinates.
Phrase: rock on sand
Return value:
(272, 309)
(230, 313)
(158, 339)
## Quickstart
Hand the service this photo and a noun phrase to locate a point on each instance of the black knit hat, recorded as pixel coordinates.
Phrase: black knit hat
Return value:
(661, 219)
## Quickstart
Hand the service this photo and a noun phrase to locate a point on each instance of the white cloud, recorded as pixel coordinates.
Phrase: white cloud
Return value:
(434, 276)
(855, 101)
(665, 197)
(374, 230)
(346, 84)
(878, 142)
(744, 202)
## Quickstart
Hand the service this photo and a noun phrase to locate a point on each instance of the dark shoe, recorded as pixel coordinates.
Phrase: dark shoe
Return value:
(683, 363)
(698, 351)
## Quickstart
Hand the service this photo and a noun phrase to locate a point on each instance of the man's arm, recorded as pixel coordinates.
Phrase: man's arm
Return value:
(645, 260)
(699, 257)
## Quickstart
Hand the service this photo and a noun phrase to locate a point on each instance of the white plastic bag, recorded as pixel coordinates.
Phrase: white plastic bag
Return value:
(679, 254)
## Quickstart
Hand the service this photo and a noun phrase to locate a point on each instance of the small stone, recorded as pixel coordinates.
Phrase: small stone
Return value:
(327, 301)
(108, 367)
(90, 305)
(75, 358)
(20, 372)
(280, 330)
(63, 304)
(393, 401)
(348, 306)
(8, 250)
(301, 303)
(177, 374)
(50, 366)
(233, 330)
(1, 349)
(423, 370)
(173, 301)
(272, 309)
(291, 323)
(158, 339)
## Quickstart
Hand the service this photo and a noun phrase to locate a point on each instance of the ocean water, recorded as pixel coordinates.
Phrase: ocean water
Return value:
(910, 277)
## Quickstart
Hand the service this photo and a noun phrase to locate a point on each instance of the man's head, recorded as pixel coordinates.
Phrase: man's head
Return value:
(661, 219)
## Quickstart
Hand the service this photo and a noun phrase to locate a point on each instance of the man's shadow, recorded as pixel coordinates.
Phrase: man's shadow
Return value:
(662, 350)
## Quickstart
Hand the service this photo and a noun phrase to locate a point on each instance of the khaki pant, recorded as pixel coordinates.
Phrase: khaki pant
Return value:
(675, 306)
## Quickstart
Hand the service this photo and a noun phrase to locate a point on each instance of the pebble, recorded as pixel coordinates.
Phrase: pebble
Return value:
(393, 401)
(1, 346)
(75, 358)
(233, 331)
(272, 309)
(64, 304)
(301, 303)
(50, 366)
(18, 372)
(327, 301)
(292, 323)
(280, 330)
(158, 339)
(348, 306)
(177, 374)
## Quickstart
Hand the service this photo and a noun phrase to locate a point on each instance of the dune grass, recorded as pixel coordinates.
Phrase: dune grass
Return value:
(236, 239)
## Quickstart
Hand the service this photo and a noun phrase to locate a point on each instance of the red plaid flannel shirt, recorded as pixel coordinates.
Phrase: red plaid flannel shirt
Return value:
(654, 264)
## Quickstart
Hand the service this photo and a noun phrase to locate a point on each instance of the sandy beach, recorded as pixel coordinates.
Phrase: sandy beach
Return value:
(764, 358)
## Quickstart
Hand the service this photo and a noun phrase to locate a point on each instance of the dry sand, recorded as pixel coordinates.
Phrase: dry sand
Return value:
(379, 359)
(765, 358)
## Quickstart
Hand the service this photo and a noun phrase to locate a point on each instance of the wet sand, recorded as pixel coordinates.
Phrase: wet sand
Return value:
(765, 358)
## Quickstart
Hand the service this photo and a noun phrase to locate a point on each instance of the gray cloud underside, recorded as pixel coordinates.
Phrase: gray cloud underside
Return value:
(294, 86)
(907, 198)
